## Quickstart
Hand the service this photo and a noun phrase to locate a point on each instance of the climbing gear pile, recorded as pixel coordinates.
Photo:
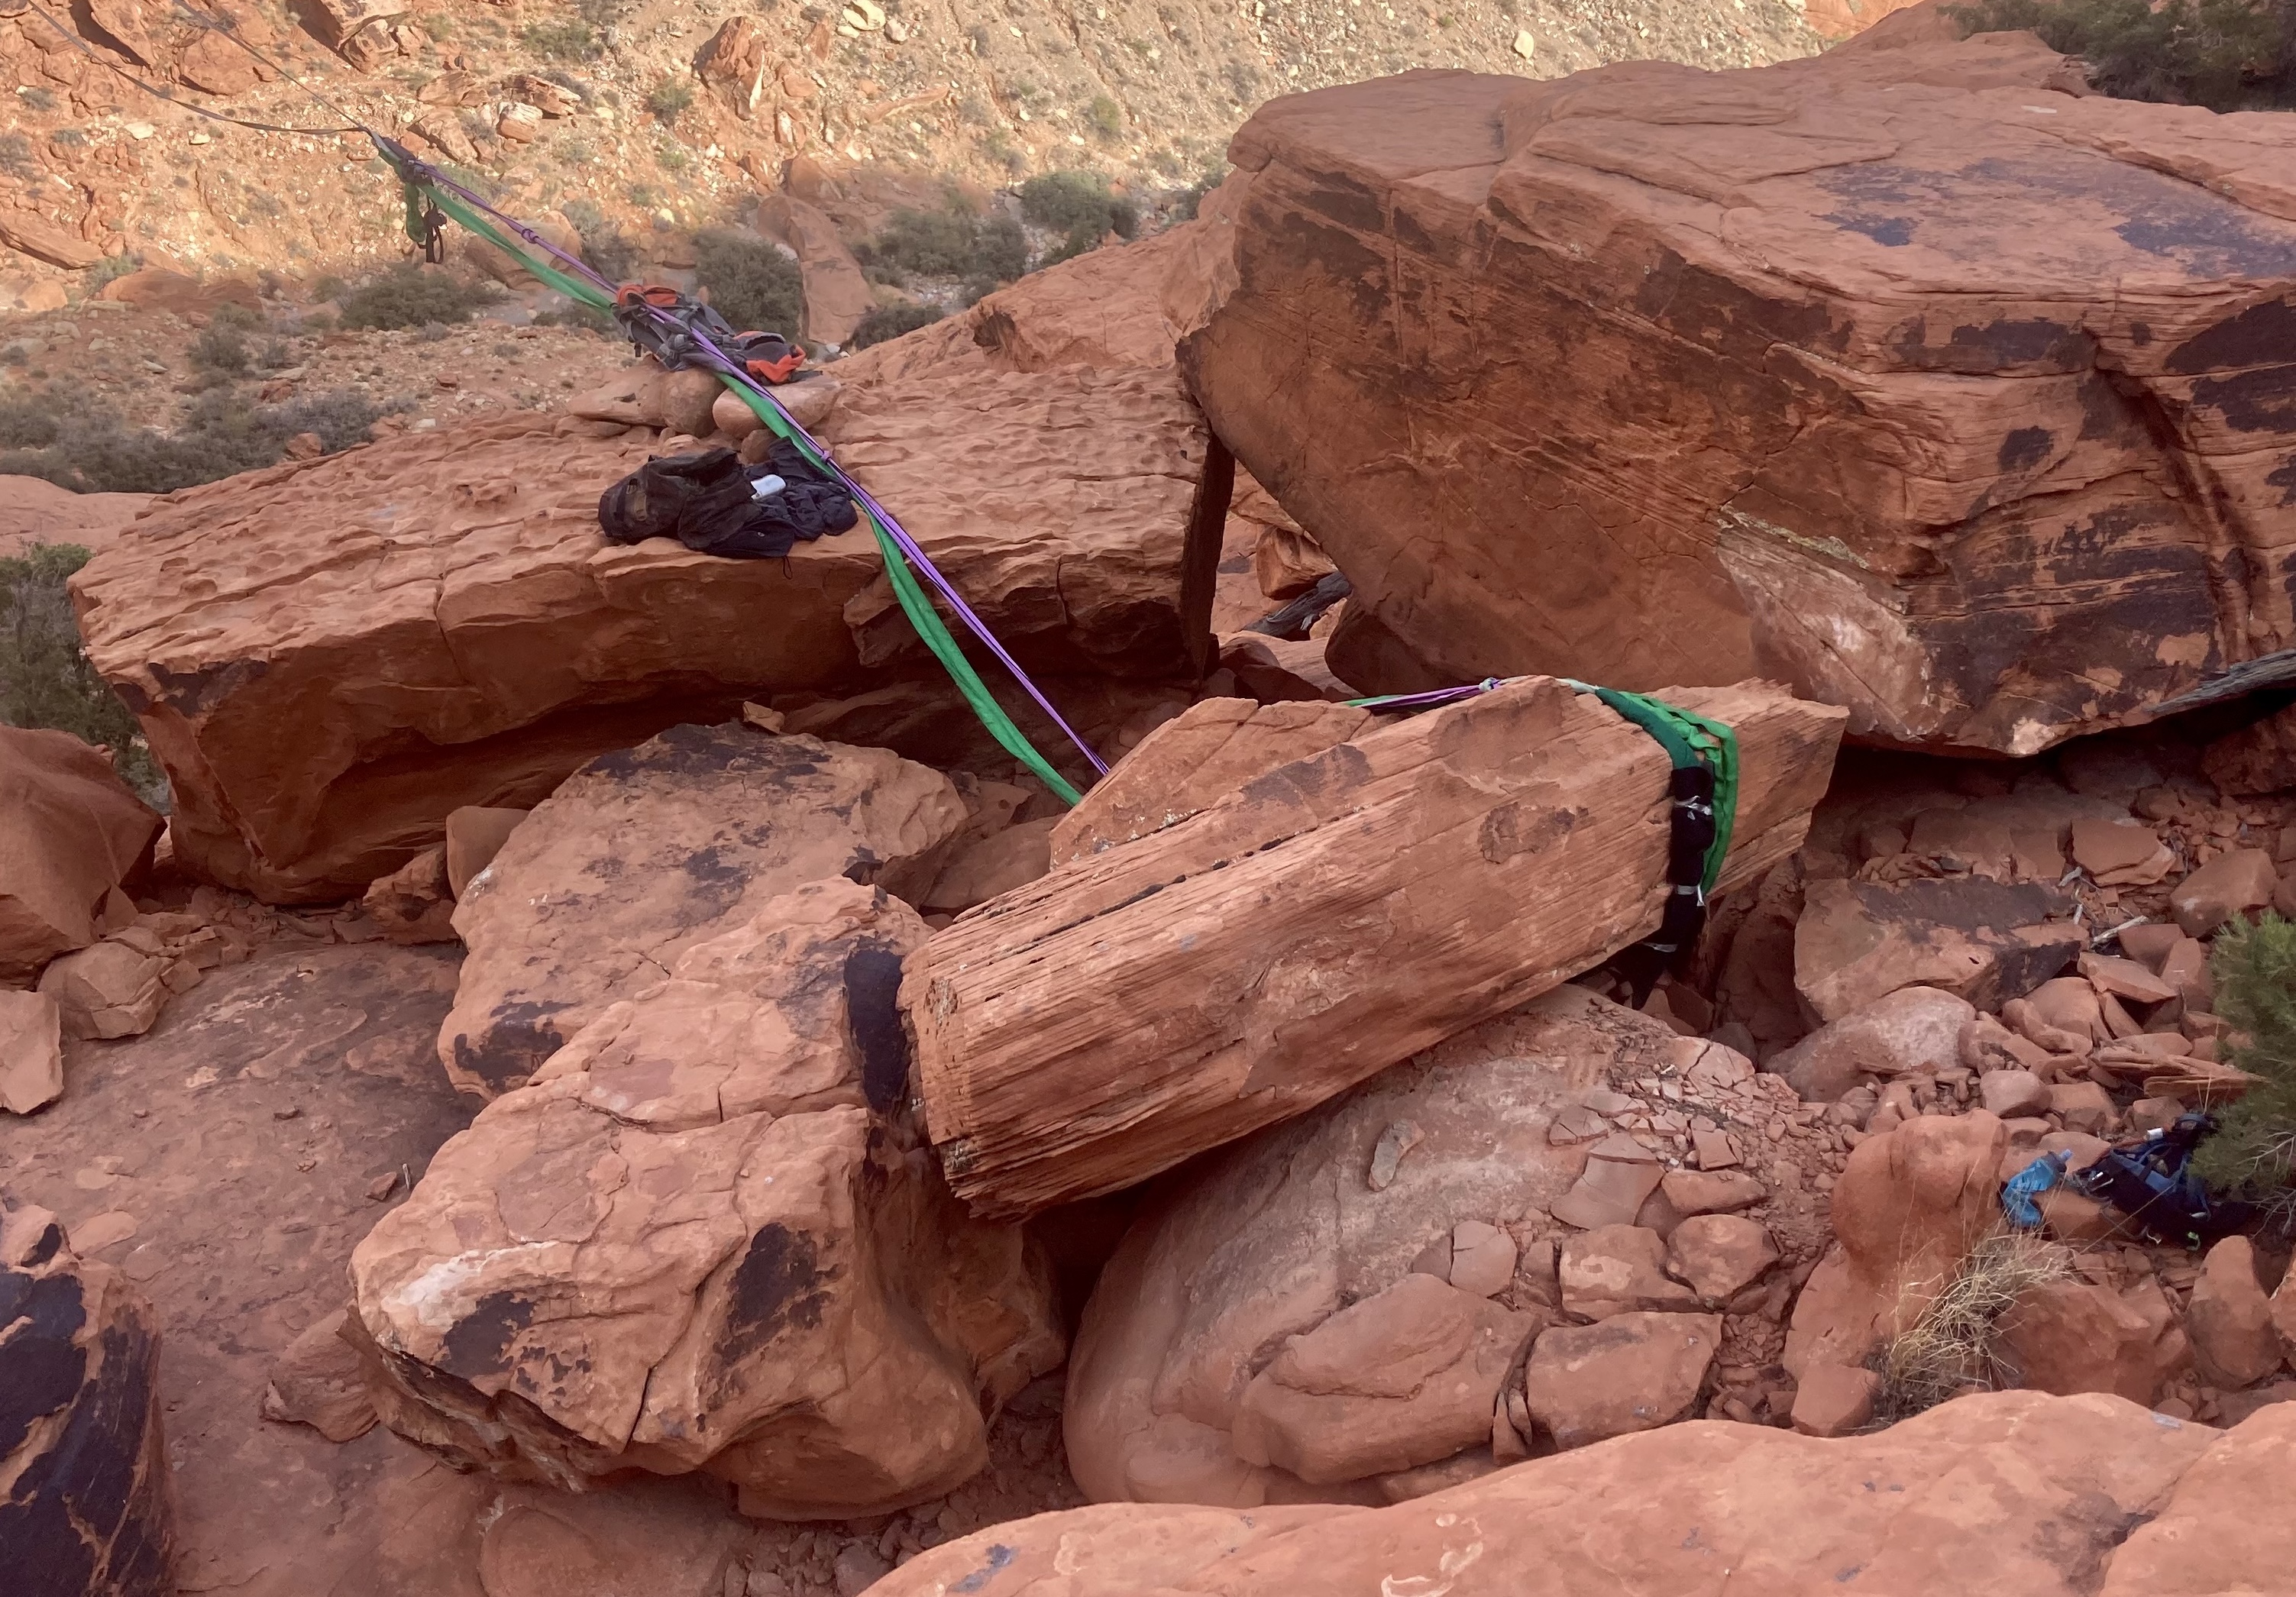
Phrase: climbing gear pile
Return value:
(680, 332)
(1703, 794)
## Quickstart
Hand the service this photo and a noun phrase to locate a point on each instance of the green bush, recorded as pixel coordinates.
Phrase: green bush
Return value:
(950, 243)
(408, 296)
(44, 678)
(2254, 1148)
(1076, 203)
(669, 99)
(751, 285)
(1107, 118)
(891, 321)
(93, 451)
(2226, 54)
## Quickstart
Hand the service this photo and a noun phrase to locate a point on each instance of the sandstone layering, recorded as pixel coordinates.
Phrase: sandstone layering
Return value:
(1653, 375)
(1312, 926)
(460, 635)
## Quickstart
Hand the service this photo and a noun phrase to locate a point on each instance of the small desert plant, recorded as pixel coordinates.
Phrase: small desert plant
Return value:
(606, 247)
(1955, 1345)
(751, 285)
(669, 99)
(1078, 204)
(45, 677)
(94, 451)
(1106, 117)
(891, 321)
(2226, 54)
(948, 243)
(564, 39)
(408, 296)
(2254, 1148)
(221, 351)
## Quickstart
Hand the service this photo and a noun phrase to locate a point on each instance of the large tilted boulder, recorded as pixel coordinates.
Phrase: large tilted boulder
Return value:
(703, 1238)
(2009, 1492)
(647, 851)
(1314, 925)
(1341, 1301)
(331, 655)
(1886, 372)
(70, 833)
(86, 1508)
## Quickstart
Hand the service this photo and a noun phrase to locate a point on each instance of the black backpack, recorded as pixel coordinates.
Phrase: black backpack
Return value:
(705, 501)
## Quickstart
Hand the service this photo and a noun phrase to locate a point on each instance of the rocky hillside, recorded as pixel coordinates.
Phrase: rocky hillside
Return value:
(661, 115)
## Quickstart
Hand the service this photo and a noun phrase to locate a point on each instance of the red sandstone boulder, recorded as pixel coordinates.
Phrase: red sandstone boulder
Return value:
(643, 853)
(2076, 1336)
(70, 833)
(1910, 1205)
(704, 1238)
(2011, 1492)
(329, 657)
(1653, 374)
(1318, 1308)
(33, 510)
(88, 1509)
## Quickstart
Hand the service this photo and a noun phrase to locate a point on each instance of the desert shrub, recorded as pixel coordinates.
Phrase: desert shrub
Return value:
(2254, 1148)
(44, 678)
(1106, 117)
(220, 349)
(607, 247)
(585, 318)
(891, 321)
(1078, 204)
(2226, 54)
(563, 38)
(751, 285)
(109, 270)
(94, 451)
(1956, 1344)
(669, 99)
(408, 296)
(947, 244)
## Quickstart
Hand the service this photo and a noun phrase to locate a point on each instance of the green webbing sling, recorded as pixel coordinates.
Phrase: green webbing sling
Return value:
(906, 589)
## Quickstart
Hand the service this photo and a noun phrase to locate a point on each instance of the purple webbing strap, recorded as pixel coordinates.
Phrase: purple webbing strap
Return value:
(1433, 699)
(908, 546)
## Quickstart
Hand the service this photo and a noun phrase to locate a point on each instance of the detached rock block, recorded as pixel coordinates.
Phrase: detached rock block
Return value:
(70, 833)
(1777, 374)
(31, 1052)
(1835, 1400)
(1635, 1372)
(1985, 942)
(1407, 1377)
(1278, 1239)
(1316, 926)
(2230, 1319)
(109, 990)
(704, 1239)
(644, 853)
(331, 657)
(1909, 1206)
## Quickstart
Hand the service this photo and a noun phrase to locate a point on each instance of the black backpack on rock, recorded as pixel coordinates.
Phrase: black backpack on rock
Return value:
(706, 502)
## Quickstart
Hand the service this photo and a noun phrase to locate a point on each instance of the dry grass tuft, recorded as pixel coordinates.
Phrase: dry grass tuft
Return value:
(1955, 1346)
